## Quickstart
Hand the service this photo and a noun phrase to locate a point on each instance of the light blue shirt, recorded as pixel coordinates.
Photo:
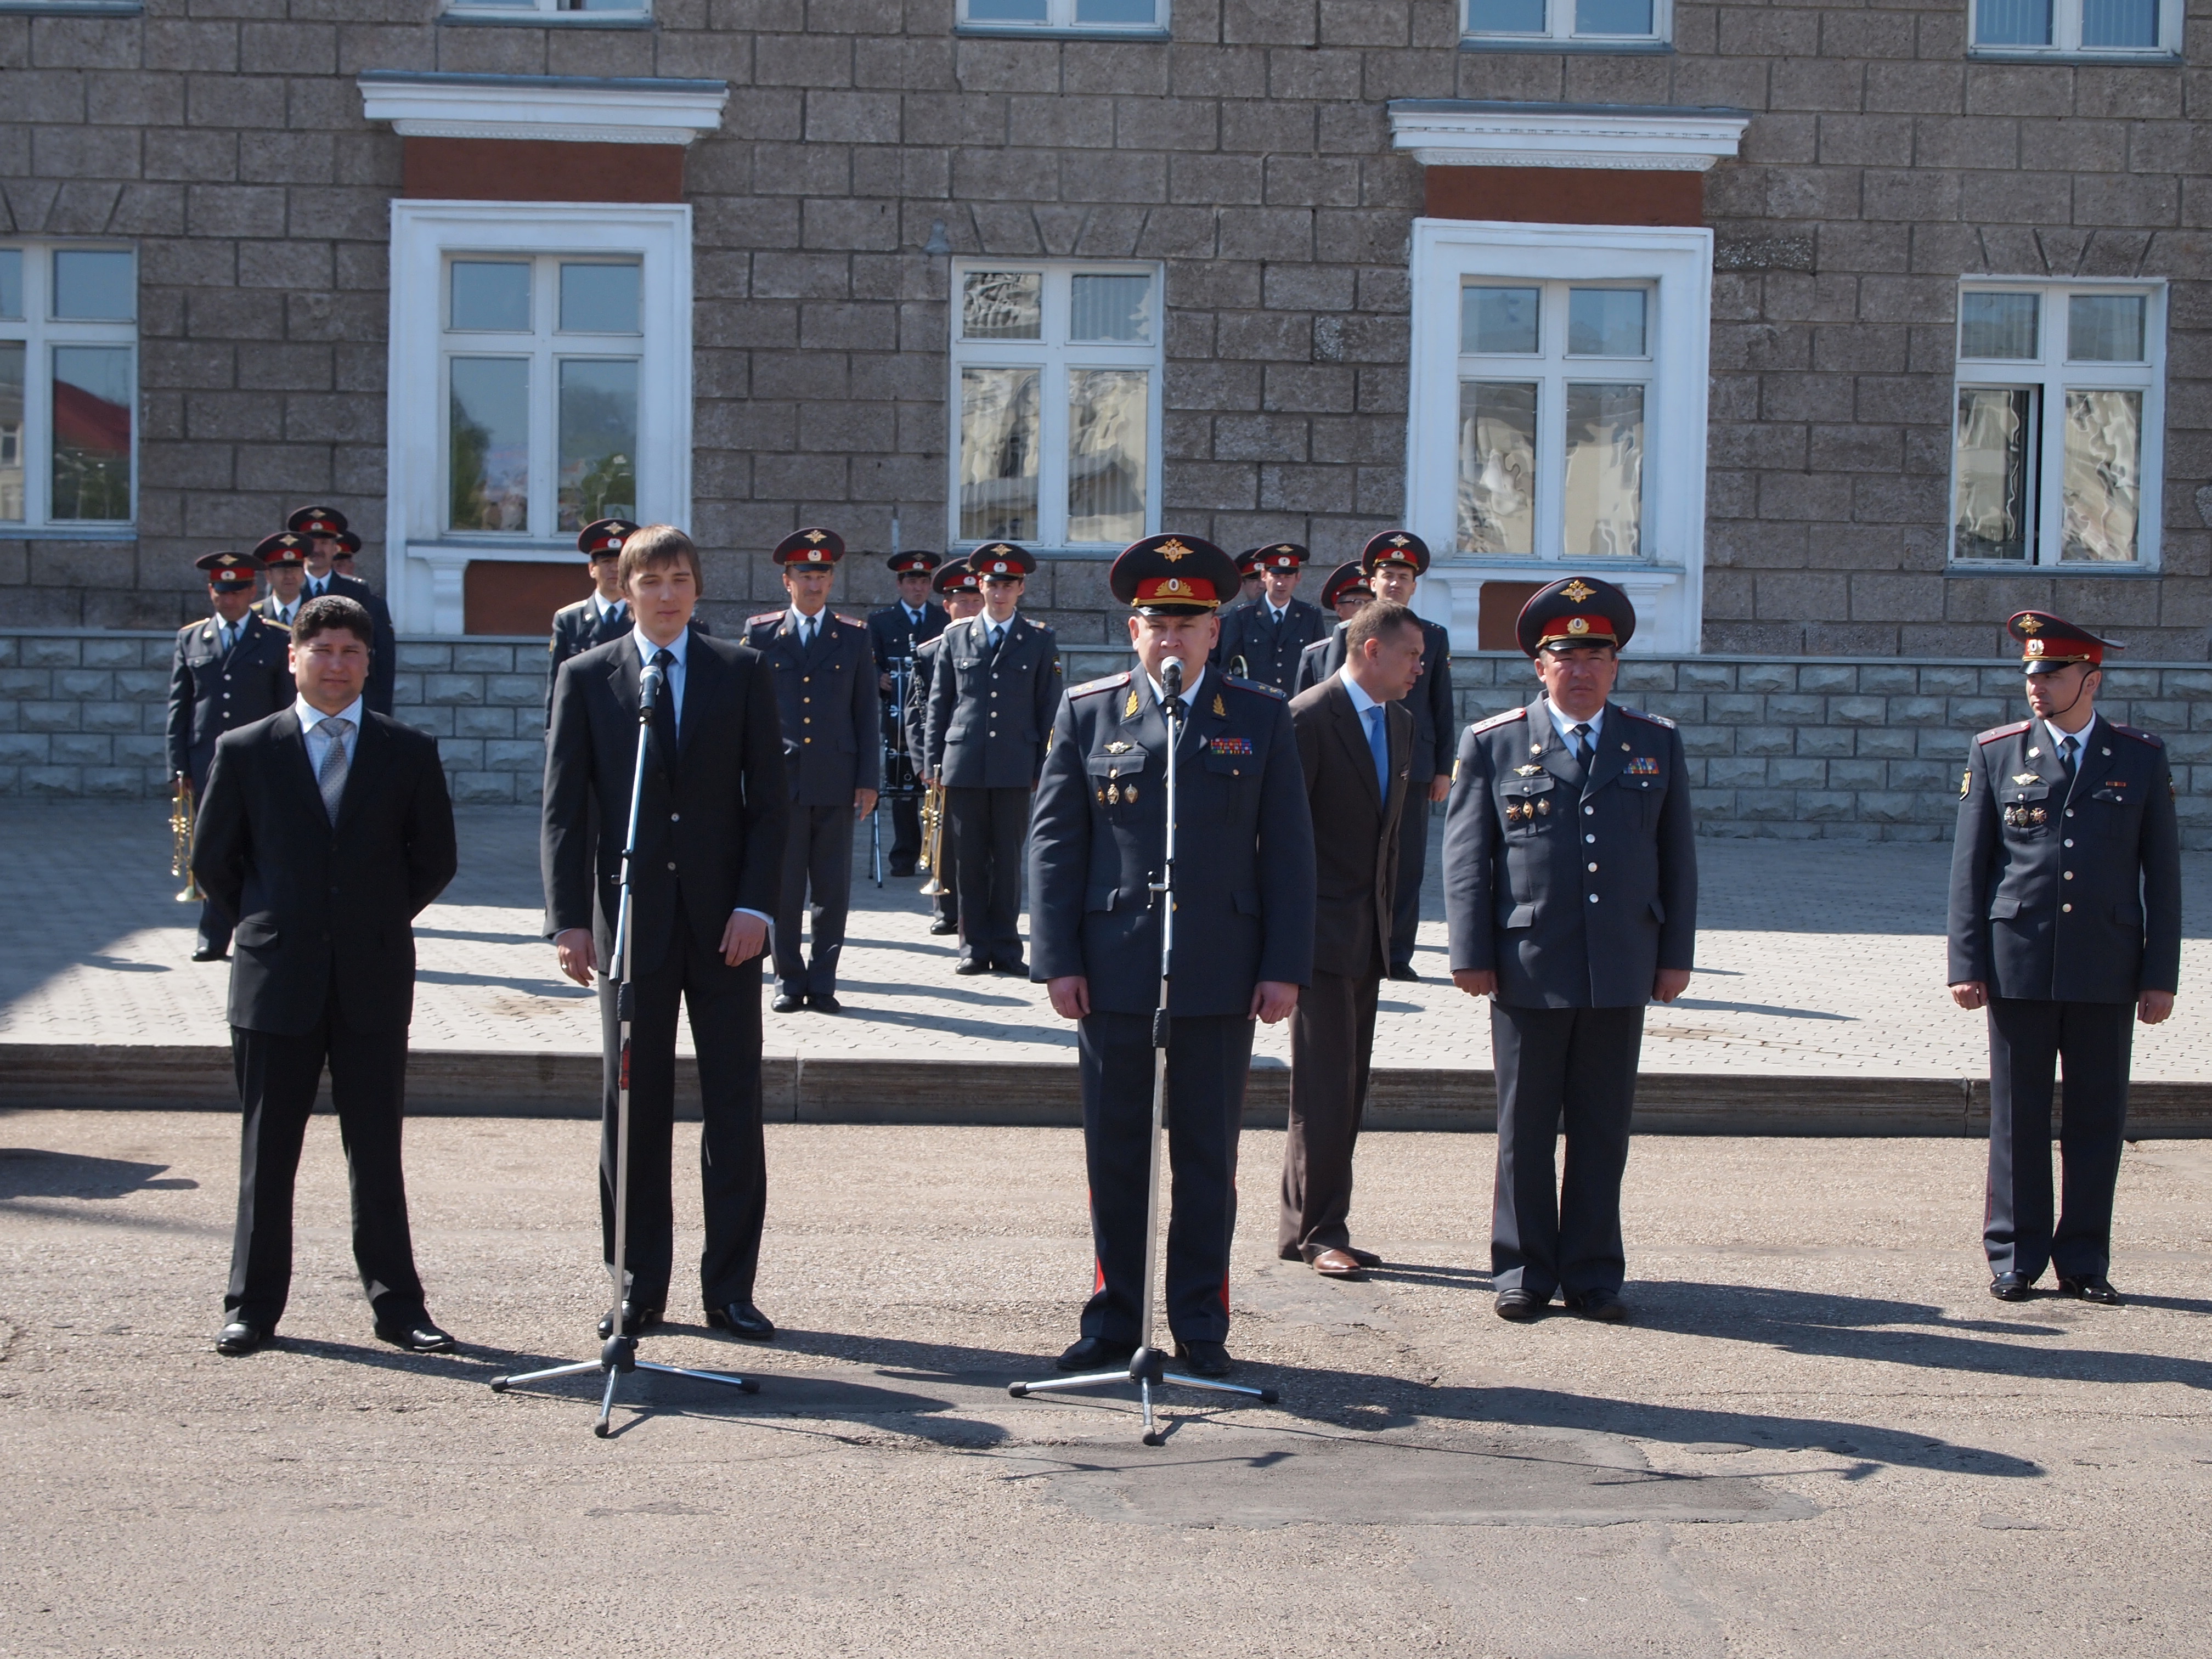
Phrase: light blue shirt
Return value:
(1189, 698)
(1361, 702)
(646, 649)
(1378, 733)
(2054, 737)
(1565, 724)
(609, 608)
(318, 736)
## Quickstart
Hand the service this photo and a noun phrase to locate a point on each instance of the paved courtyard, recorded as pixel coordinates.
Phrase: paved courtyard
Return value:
(1812, 957)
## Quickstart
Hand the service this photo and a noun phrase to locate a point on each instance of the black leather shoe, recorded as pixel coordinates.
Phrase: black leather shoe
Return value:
(943, 925)
(241, 1336)
(1405, 973)
(1604, 1306)
(901, 871)
(1094, 1353)
(211, 956)
(1011, 965)
(786, 1003)
(971, 965)
(742, 1318)
(1365, 1258)
(822, 1002)
(638, 1318)
(415, 1333)
(1520, 1306)
(1203, 1358)
(2009, 1287)
(2098, 1290)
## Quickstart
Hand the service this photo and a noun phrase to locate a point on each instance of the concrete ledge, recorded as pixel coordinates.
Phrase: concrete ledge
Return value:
(501, 1082)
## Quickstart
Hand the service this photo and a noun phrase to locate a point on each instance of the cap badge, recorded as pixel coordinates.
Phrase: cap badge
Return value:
(1578, 590)
(2031, 624)
(1578, 624)
(2035, 648)
(1285, 549)
(814, 555)
(816, 536)
(1172, 551)
(1398, 541)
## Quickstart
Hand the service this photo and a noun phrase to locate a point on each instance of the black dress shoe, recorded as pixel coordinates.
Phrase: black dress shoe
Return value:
(971, 965)
(1365, 1258)
(1094, 1353)
(2009, 1287)
(1203, 1358)
(638, 1318)
(1011, 965)
(205, 955)
(901, 871)
(2098, 1290)
(786, 1003)
(241, 1336)
(1604, 1306)
(824, 1002)
(943, 925)
(1405, 973)
(742, 1318)
(1520, 1306)
(415, 1333)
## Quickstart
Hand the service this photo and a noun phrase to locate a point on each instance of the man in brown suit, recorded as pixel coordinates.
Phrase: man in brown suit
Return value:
(1355, 737)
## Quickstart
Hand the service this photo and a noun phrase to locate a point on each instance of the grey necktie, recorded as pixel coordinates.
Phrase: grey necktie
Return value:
(332, 780)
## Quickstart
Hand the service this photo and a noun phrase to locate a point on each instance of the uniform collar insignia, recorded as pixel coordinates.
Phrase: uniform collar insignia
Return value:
(1220, 708)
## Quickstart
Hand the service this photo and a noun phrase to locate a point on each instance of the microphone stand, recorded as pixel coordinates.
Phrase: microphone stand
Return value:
(618, 1356)
(1148, 1365)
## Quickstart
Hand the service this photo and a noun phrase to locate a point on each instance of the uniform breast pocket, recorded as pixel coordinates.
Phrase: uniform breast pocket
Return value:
(1117, 781)
(1232, 763)
(2026, 809)
(1526, 804)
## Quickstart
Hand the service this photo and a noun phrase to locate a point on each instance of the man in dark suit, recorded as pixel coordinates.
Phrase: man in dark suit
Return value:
(709, 865)
(323, 526)
(325, 830)
(825, 686)
(1355, 741)
(283, 561)
(1570, 886)
(2066, 925)
(896, 632)
(991, 700)
(1243, 935)
(1267, 637)
(228, 672)
(601, 615)
(1345, 592)
(963, 594)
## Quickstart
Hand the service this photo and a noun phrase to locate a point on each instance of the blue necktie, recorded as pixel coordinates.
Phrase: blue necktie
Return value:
(1379, 746)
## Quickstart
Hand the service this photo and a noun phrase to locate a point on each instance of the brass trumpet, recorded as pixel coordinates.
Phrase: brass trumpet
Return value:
(932, 840)
(181, 814)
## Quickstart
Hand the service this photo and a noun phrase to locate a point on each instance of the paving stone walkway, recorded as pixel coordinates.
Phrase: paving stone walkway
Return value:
(1813, 957)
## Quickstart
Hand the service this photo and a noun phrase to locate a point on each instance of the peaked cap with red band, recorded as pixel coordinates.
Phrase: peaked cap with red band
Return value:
(1396, 547)
(229, 571)
(348, 544)
(317, 521)
(1248, 566)
(954, 576)
(1169, 576)
(913, 562)
(813, 545)
(603, 538)
(1575, 612)
(1345, 579)
(1276, 555)
(1001, 561)
(2048, 643)
(285, 547)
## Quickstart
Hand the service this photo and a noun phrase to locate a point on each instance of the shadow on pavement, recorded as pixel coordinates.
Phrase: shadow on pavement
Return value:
(29, 1172)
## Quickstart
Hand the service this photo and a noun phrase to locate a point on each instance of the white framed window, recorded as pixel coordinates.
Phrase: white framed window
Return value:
(1568, 22)
(540, 378)
(549, 11)
(2057, 428)
(1075, 16)
(2078, 29)
(68, 384)
(1056, 402)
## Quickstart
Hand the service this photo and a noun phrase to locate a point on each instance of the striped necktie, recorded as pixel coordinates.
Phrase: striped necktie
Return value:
(332, 780)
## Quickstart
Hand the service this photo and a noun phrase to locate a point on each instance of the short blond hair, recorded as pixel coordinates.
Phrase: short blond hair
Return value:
(657, 544)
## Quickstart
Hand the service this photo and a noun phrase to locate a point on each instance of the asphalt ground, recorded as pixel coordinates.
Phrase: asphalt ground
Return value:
(1819, 1436)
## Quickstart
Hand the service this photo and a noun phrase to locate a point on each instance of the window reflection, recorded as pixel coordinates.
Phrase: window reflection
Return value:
(1107, 430)
(11, 430)
(1497, 467)
(1999, 326)
(1499, 321)
(1993, 507)
(491, 296)
(1605, 471)
(1002, 305)
(598, 442)
(489, 443)
(1115, 309)
(95, 285)
(999, 454)
(92, 432)
(2100, 498)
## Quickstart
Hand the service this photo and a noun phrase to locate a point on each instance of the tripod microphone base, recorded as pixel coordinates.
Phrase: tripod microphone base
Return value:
(617, 1359)
(1146, 1370)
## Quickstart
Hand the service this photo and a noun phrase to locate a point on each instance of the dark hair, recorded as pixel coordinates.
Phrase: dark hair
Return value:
(657, 544)
(1372, 620)
(333, 612)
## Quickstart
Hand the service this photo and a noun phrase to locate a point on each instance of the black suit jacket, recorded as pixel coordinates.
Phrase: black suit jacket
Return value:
(990, 715)
(210, 694)
(1355, 826)
(1436, 722)
(712, 826)
(576, 629)
(2067, 894)
(384, 661)
(318, 906)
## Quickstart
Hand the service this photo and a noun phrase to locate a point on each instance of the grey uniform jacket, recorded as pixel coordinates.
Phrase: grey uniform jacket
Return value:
(210, 694)
(1270, 649)
(1576, 898)
(826, 697)
(990, 715)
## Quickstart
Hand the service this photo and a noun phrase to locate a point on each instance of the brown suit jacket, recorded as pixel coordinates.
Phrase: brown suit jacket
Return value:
(1355, 826)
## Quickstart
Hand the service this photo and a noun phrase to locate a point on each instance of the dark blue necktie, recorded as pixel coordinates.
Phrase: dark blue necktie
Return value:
(1379, 746)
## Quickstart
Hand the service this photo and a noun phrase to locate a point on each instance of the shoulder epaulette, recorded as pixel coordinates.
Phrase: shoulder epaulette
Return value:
(1110, 682)
(190, 626)
(849, 622)
(764, 616)
(1505, 719)
(1261, 686)
(1645, 715)
(1996, 731)
(2140, 736)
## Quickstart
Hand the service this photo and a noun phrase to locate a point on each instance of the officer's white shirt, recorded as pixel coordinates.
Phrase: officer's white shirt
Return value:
(1565, 724)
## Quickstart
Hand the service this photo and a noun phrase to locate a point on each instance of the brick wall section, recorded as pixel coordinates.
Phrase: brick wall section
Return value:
(1250, 154)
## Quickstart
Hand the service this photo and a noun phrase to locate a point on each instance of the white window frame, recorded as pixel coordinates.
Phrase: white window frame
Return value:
(1061, 19)
(1056, 357)
(40, 333)
(2066, 36)
(2051, 374)
(1559, 29)
(1675, 262)
(554, 12)
(425, 561)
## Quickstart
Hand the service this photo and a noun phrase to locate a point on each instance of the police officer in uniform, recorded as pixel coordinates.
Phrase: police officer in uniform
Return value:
(1570, 886)
(1250, 586)
(896, 632)
(991, 699)
(228, 672)
(825, 687)
(1243, 937)
(1267, 636)
(962, 595)
(2066, 926)
(605, 614)
(283, 559)
(323, 526)
(1345, 592)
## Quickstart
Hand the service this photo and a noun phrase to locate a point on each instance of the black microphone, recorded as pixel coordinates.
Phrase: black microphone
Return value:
(1171, 678)
(648, 689)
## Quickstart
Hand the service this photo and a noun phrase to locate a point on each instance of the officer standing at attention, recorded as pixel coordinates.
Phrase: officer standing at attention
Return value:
(229, 671)
(2066, 926)
(323, 526)
(1243, 938)
(1267, 636)
(825, 690)
(1345, 592)
(283, 559)
(991, 698)
(603, 614)
(955, 585)
(896, 632)
(1570, 886)
(1250, 586)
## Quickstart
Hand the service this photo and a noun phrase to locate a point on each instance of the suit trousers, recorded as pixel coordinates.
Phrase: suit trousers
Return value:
(724, 1004)
(1576, 1068)
(906, 829)
(2027, 1040)
(818, 854)
(1332, 1046)
(991, 825)
(1208, 1061)
(277, 1078)
(1413, 864)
